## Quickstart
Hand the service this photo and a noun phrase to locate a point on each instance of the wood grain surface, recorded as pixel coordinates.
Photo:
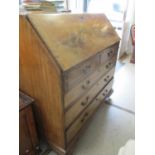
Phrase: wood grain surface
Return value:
(41, 78)
(72, 38)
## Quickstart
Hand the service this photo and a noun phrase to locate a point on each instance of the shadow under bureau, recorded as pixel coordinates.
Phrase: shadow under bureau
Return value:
(67, 63)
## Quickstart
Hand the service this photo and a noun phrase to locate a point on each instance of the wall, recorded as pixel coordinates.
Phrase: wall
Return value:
(129, 20)
(76, 6)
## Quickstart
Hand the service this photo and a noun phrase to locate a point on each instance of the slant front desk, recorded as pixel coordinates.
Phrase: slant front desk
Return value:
(67, 63)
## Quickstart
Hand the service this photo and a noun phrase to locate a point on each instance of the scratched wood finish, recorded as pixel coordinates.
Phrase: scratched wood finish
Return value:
(41, 78)
(60, 54)
(79, 36)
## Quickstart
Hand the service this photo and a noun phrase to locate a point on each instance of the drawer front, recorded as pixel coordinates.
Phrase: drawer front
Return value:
(79, 72)
(85, 85)
(109, 53)
(76, 126)
(83, 102)
(104, 92)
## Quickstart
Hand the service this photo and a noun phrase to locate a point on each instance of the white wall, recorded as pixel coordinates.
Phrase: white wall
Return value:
(126, 44)
(76, 6)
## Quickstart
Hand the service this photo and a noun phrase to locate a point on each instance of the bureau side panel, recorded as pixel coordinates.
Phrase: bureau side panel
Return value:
(40, 77)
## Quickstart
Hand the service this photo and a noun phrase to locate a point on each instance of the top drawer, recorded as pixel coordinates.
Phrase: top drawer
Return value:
(79, 72)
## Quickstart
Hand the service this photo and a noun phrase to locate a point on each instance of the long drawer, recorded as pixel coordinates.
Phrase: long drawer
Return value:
(85, 85)
(83, 102)
(77, 125)
(78, 73)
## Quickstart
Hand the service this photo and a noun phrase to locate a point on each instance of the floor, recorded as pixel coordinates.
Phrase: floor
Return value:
(114, 122)
(124, 82)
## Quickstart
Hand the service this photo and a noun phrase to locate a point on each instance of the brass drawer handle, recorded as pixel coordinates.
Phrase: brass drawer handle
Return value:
(82, 120)
(84, 117)
(87, 85)
(107, 66)
(27, 151)
(84, 87)
(83, 103)
(105, 80)
(97, 99)
(86, 102)
(103, 94)
(110, 53)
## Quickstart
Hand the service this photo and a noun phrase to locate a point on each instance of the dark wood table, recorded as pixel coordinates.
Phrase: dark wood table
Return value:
(28, 138)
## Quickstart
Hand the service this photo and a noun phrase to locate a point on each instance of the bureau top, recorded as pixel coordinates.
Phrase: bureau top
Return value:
(73, 38)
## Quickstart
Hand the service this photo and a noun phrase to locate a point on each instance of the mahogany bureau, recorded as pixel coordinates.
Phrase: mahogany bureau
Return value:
(67, 63)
